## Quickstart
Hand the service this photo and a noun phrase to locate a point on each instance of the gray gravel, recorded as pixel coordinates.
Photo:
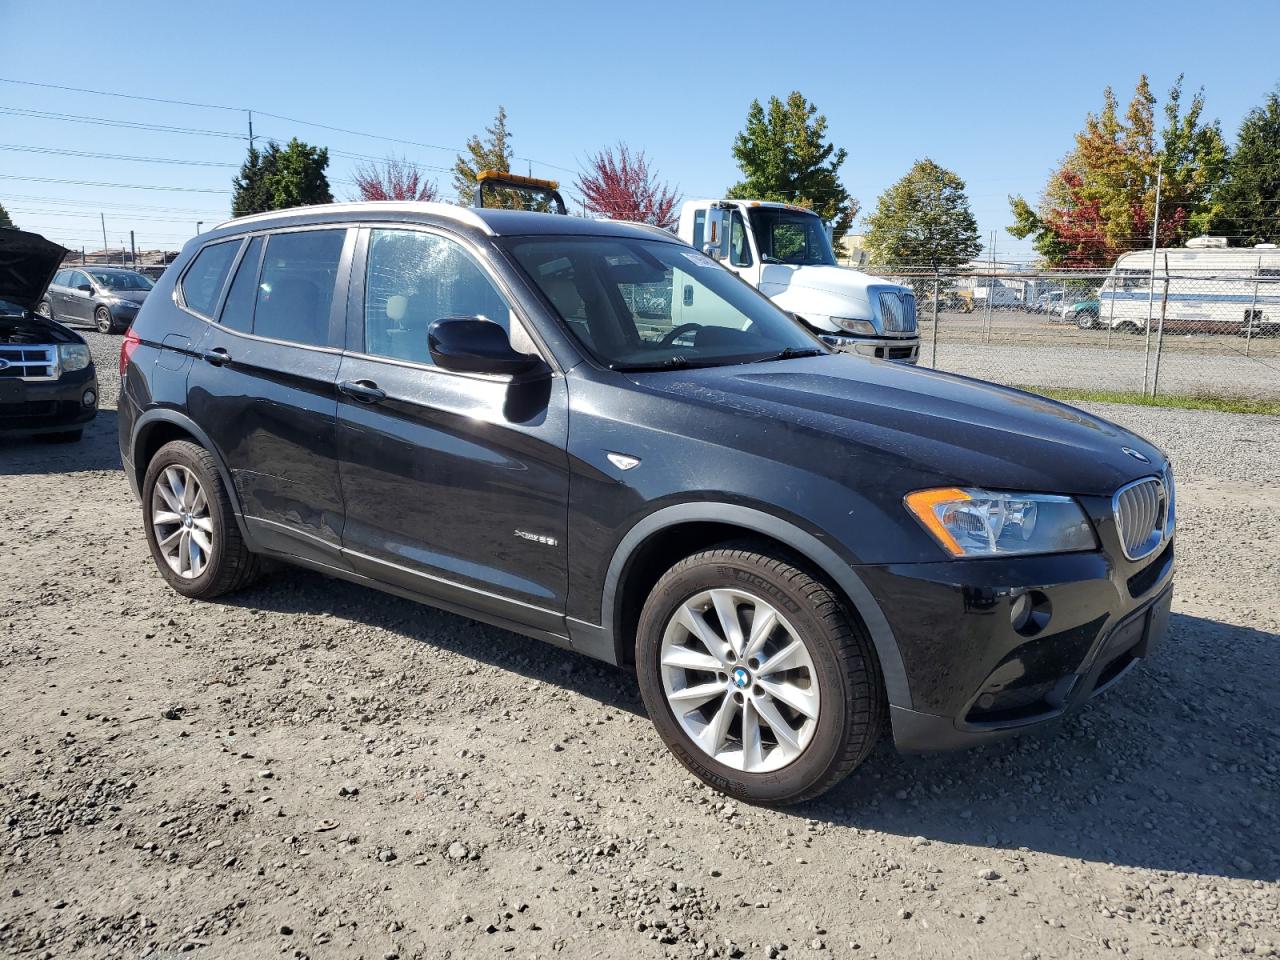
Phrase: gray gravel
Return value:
(313, 769)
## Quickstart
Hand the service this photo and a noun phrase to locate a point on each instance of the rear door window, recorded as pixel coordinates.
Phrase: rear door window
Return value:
(203, 282)
(237, 312)
(295, 294)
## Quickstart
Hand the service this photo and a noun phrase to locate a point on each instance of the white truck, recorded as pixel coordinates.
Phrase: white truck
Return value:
(784, 251)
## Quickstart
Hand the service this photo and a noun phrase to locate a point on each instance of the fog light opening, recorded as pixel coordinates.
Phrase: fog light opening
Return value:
(1030, 612)
(90, 398)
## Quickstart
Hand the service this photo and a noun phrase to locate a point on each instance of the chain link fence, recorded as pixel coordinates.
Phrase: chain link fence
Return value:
(1187, 333)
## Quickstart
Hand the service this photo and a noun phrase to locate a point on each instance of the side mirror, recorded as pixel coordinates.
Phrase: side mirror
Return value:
(476, 345)
(715, 233)
(85, 288)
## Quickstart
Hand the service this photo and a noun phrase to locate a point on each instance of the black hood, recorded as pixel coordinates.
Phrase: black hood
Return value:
(925, 426)
(27, 263)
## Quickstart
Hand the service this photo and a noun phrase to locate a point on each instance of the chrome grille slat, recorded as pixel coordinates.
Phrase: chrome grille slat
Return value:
(1141, 513)
(27, 362)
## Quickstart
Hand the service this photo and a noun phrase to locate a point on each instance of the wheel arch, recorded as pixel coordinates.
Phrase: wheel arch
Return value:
(664, 537)
(155, 428)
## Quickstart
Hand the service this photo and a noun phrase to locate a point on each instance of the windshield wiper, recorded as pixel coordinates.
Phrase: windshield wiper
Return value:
(793, 353)
(671, 363)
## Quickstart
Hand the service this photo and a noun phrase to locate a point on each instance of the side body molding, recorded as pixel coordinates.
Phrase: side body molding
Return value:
(600, 641)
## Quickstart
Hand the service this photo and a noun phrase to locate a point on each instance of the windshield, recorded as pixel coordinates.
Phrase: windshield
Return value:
(649, 304)
(121, 280)
(791, 236)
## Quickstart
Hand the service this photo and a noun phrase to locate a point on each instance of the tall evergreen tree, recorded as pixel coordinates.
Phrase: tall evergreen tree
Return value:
(924, 220)
(5, 219)
(491, 153)
(1247, 204)
(299, 178)
(250, 193)
(784, 156)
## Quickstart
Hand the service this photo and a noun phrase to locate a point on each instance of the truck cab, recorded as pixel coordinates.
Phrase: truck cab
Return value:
(785, 252)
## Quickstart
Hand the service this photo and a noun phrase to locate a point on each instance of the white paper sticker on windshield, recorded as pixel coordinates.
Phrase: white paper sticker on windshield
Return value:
(697, 259)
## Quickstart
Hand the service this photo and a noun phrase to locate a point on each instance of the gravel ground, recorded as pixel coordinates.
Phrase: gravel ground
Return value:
(312, 769)
(1027, 349)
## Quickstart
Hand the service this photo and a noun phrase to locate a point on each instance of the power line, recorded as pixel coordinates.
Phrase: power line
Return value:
(122, 186)
(126, 96)
(126, 124)
(59, 151)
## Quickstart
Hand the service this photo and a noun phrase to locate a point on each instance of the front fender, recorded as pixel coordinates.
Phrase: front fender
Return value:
(606, 637)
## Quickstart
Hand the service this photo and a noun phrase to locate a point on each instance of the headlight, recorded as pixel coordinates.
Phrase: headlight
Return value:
(127, 303)
(864, 327)
(73, 357)
(982, 523)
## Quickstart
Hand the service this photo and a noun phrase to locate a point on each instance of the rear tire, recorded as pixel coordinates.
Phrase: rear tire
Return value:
(1086, 321)
(193, 500)
(791, 732)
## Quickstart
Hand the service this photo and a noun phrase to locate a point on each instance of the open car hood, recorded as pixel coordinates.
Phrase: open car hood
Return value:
(27, 263)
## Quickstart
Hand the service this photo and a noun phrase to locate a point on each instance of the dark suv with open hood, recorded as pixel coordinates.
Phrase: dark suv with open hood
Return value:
(47, 380)
(592, 434)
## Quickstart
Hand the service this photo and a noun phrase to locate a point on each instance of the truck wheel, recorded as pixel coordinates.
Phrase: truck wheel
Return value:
(756, 677)
(191, 529)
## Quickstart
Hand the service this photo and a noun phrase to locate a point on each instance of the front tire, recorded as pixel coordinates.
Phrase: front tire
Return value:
(102, 320)
(1086, 321)
(44, 309)
(756, 677)
(190, 525)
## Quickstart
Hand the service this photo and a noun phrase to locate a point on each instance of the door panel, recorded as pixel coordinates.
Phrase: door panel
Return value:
(457, 479)
(455, 486)
(271, 406)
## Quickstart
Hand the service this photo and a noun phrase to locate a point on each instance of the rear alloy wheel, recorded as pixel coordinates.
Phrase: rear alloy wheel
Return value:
(190, 527)
(756, 677)
(102, 320)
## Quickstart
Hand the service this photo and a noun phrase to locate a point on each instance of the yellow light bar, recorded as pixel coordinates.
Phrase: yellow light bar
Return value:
(517, 179)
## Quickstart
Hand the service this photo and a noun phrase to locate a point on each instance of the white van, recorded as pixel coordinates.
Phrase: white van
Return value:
(1212, 288)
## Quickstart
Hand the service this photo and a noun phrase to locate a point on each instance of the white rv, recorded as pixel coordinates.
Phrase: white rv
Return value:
(1212, 288)
(784, 251)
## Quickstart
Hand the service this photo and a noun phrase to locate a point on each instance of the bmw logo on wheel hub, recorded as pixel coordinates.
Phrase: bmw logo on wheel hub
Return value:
(741, 678)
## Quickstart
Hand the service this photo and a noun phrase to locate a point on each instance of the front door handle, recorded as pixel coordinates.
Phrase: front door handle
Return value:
(366, 391)
(217, 356)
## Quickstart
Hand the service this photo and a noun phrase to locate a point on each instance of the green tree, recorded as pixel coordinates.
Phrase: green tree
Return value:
(783, 155)
(1100, 201)
(5, 219)
(491, 153)
(250, 193)
(924, 220)
(299, 178)
(1248, 201)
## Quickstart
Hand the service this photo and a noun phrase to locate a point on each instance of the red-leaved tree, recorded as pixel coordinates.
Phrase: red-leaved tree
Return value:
(618, 184)
(394, 179)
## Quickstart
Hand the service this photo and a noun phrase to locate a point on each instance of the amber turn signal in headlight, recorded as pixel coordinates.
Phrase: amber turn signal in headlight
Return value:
(970, 522)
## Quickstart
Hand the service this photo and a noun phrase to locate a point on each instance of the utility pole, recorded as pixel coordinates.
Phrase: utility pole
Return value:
(106, 257)
(199, 224)
(1151, 290)
(250, 112)
(991, 290)
(133, 250)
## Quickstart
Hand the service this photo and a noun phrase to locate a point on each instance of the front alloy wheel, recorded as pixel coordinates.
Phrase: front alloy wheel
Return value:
(102, 320)
(757, 675)
(739, 680)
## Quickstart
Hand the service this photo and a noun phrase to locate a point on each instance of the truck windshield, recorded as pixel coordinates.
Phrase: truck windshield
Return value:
(791, 236)
(653, 305)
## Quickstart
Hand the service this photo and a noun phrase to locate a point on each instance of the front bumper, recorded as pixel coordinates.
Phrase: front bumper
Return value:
(901, 349)
(48, 406)
(974, 676)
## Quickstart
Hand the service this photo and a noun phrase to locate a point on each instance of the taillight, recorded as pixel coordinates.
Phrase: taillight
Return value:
(127, 346)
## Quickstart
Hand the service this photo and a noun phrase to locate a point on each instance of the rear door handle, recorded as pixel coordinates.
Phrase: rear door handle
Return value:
(217, 356)
(366, 391)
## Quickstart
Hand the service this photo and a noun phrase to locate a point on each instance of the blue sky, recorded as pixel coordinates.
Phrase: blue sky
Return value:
(992, 90)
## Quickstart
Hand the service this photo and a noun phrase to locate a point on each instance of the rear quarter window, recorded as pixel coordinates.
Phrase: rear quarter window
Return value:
(203, 282)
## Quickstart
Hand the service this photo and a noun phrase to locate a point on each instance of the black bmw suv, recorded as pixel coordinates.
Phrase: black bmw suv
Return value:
(591, 434)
